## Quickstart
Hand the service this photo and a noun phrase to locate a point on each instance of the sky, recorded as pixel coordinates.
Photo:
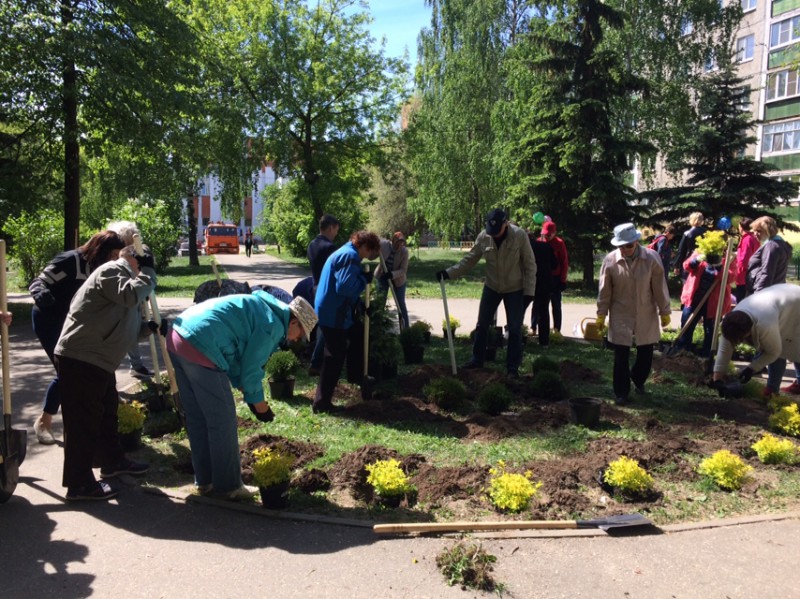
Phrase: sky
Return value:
(400, 21)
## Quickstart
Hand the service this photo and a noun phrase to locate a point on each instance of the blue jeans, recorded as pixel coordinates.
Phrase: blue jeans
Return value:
(211, 423)
(400, 293)
(512, 302)
(48, 329)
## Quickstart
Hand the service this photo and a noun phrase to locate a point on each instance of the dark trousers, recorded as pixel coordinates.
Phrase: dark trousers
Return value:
(624, 374)
(512, 302)
(89, 402)
(540, 316)
(340, 345)
(47, 327)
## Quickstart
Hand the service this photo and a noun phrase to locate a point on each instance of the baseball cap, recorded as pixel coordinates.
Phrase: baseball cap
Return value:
(494, 221)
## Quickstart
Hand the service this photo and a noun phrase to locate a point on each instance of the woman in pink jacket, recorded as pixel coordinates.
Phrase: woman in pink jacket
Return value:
(747, 247)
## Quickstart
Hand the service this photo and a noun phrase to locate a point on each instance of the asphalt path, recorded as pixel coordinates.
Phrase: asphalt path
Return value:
(156, 544)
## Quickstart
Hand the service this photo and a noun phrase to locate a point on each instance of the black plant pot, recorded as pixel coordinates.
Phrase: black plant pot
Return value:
(281, 389)
(585, 411)
(414, 354)
(275, 497)
(131, 441)
(426, 336)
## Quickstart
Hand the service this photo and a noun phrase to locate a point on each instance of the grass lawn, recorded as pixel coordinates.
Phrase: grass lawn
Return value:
(182, 279)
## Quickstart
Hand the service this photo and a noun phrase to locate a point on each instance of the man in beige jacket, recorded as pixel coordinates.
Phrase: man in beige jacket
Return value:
(510, 278)
(633, 291)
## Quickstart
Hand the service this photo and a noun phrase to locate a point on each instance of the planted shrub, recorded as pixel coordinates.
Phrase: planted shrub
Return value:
(271, 467)
(725, 469)
(282, 365)
(447, 393)
(495, 398)
(786, 420)
(130, 416)
(454, 324)
(544, 363)
(510, 491)
(771, 450)
(547, 384)
(412, 337)
(423, 325)
(628, 477)
(387, 478)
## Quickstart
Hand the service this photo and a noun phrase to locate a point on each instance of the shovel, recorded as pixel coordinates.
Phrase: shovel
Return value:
(161, 404)
(392, 289)
(173, 385)
(449, 330)
(367, 382)
(623, 521)
(697, 311)
(13, 442)
(720, 303)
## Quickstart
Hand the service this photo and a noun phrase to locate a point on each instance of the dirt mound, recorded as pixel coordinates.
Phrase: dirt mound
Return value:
(434, 485)
(350, 471)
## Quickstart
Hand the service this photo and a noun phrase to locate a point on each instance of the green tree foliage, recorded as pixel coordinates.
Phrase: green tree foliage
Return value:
(567, 158)
(721, 179)
(37, 238)
(157, 223)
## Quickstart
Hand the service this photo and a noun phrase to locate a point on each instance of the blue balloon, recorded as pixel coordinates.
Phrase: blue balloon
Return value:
(724, 223)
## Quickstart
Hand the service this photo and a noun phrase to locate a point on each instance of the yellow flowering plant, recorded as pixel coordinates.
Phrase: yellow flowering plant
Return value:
(771, 450)
(628, 477)
(271, 467)
(510, 491)
(712, 243)
(130, 416)
(786, 420)
(387, 478)
(725, 469)
(454, 323)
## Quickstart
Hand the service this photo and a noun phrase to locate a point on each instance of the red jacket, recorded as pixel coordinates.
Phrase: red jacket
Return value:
(561, 270)
(747, 247)
(695, 272)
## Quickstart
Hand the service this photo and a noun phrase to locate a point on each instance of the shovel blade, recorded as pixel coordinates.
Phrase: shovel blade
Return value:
(620, 521)
(13, 446)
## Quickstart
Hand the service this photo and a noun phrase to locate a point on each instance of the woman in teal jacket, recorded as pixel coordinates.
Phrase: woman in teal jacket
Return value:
(221, 342)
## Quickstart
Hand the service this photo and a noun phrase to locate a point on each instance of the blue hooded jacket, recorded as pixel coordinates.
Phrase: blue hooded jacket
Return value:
(340, 285)
(238, 333)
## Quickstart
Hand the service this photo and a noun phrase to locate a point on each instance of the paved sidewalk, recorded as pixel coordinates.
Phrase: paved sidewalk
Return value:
(150, 545)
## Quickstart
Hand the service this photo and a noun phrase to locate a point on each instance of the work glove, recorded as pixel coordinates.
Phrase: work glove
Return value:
(145, 260)
(562, 285)
(44, 298)
(368, 276)
(601, 322)
(442, 275)
(267, 416)
(719, 386)
(163, 328)
(665, 320)
(745, 374)
(386, 277)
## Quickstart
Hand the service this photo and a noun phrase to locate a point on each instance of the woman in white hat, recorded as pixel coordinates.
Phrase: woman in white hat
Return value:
(633, 293)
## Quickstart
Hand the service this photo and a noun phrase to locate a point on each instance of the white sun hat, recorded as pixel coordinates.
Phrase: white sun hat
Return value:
(305, 314)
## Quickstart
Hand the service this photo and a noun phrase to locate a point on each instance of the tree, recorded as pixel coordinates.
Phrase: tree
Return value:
(567, 158)
(319, 100)
(721, 180)
(87, 72)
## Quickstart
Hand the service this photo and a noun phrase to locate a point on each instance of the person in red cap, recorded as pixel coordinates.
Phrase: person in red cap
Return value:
(559, 273)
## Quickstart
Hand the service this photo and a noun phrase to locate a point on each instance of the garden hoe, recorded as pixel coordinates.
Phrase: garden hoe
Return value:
(609, 523)
(449, 330)
(13, 442)
(394, 292)
(161, 404)
(367, 382)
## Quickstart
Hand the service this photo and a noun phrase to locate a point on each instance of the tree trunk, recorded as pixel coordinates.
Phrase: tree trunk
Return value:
(586, 250)
(191, 219)
(72, 183)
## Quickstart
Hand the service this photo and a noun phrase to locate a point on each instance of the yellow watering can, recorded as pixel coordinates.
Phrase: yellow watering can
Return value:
(590, 329)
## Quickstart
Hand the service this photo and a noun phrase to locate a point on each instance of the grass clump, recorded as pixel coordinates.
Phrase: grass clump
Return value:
(771, 450)
(628, 477)
(544, 363)
(388, 479)
(548, 385)
(510, 491)
(495, 398)
(786, 420)
(469, 566)
(725, 469)
(447, 393)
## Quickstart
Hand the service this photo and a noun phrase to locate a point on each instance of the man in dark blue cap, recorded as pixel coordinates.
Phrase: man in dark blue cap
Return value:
(510, 278)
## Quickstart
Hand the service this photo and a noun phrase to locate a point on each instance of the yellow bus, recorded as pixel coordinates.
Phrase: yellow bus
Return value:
(221, 239)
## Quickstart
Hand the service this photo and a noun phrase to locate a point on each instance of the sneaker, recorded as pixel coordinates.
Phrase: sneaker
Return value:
(97, 491)
(126, 466)
(204, 489)
(471, 365)
(142, 371)
(43, 434)
(793, 389)
(243, 493)
(621, 400)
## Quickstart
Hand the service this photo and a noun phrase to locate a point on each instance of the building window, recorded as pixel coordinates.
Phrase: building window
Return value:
(743, 102)
(782, 137)
(687, 26)
(784, 32)
(782, 84)
(745, 48)
(749, 5)
(711, 62)
(201, 188)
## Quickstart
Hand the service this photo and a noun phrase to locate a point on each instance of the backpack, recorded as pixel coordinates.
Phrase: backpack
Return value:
(652, 245)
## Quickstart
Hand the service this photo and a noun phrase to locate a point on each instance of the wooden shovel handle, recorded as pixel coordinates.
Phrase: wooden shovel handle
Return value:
(4, 332)
(474, 526)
